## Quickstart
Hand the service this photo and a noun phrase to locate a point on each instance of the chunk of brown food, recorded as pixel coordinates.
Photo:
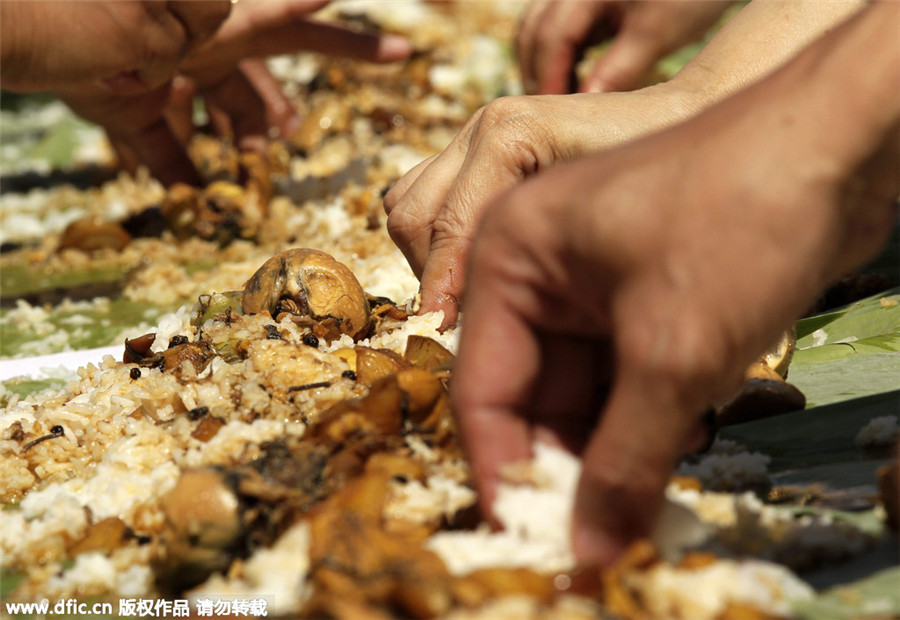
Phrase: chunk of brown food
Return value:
(889, 493)
(202, 530)
(314, 287)
(92, 234)
(765, 391)
(195, 354)
(222, 212)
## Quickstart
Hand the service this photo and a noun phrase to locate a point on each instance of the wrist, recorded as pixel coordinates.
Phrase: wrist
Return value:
(841, 92)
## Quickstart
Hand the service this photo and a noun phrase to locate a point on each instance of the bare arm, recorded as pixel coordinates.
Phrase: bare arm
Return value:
(760, 38)
(434, 210)
(644, 279)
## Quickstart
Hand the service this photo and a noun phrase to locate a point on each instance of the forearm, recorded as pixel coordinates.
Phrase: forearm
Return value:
(832, 114)
(760, 38)
(853, 97)
(854, 80)
(16, 27)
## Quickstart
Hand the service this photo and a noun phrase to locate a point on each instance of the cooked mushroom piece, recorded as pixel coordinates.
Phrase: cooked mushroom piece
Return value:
(222, 212)
(765, 392)
(202, 529)
(779, 357)
(312, 284)
(92, 233)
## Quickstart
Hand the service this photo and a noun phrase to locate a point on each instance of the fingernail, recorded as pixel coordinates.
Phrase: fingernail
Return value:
(594, 546)
(292, 125)
(255, 143)
(125, 83)
(393, 47)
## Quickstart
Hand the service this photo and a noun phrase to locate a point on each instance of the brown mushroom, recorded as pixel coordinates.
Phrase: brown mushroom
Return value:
(889, 493)
(202, 529)
(222, 212)
(92, 233)
(765, 392)
(309, 283)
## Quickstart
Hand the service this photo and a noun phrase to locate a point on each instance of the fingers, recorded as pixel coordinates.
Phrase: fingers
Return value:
(280, 112)
(414, 207)
(498, 361)
(165, 34)
(625, 65)
(139, 131)
(199, 18)
(444, 276)
(157, 148)
(329, 39)
(551, 40)
(179, 111)
(259, 29)
(628, 462)
(501, 155)
(234, 98)
(399, 189)
(435, 218)
(526, 43)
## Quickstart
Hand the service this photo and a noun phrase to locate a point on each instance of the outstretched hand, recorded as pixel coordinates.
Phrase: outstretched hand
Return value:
(554, 34)
(434, 210)
(133, 66)
(611, 300)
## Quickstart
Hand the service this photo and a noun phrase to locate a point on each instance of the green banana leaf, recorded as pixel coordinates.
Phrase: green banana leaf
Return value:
(877, 596)
(848, 366)
(849, 353)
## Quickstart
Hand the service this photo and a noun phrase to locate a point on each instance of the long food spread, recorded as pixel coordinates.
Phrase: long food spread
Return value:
(222, 402)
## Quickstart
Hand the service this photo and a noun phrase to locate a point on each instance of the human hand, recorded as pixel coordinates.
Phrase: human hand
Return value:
(611, 300)
(553, 35)
(434, 209)
(119, 70)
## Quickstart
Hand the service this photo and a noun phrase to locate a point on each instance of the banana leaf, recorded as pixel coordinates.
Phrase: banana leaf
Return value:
(877, 596)
(848, 366)
(849, 353)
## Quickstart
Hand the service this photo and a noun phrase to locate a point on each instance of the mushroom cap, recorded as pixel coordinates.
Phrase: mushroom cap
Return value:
(201, 508)
(93, 233)
(320, 287)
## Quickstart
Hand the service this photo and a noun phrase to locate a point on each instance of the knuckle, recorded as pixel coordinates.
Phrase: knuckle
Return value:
(391, 199)
(631, 490)
(404, 225)
(451, 233)
(508, 116)
(682, 355)
(512, 127)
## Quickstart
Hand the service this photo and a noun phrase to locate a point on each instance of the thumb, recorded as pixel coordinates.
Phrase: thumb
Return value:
(627, 465)
(624, 66)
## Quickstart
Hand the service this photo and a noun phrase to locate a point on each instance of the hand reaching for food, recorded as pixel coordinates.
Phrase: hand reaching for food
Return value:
(554, 34)
(134, 67)
(636, 285)
(434, 210)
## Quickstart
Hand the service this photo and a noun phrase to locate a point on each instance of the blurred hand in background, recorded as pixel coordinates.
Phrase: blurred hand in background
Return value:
(134, 67)
(554, 34)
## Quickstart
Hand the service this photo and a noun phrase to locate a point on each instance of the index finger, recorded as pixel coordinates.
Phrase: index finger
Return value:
(498, 362)
(200, 19)
(628, 462)
(273, 28)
